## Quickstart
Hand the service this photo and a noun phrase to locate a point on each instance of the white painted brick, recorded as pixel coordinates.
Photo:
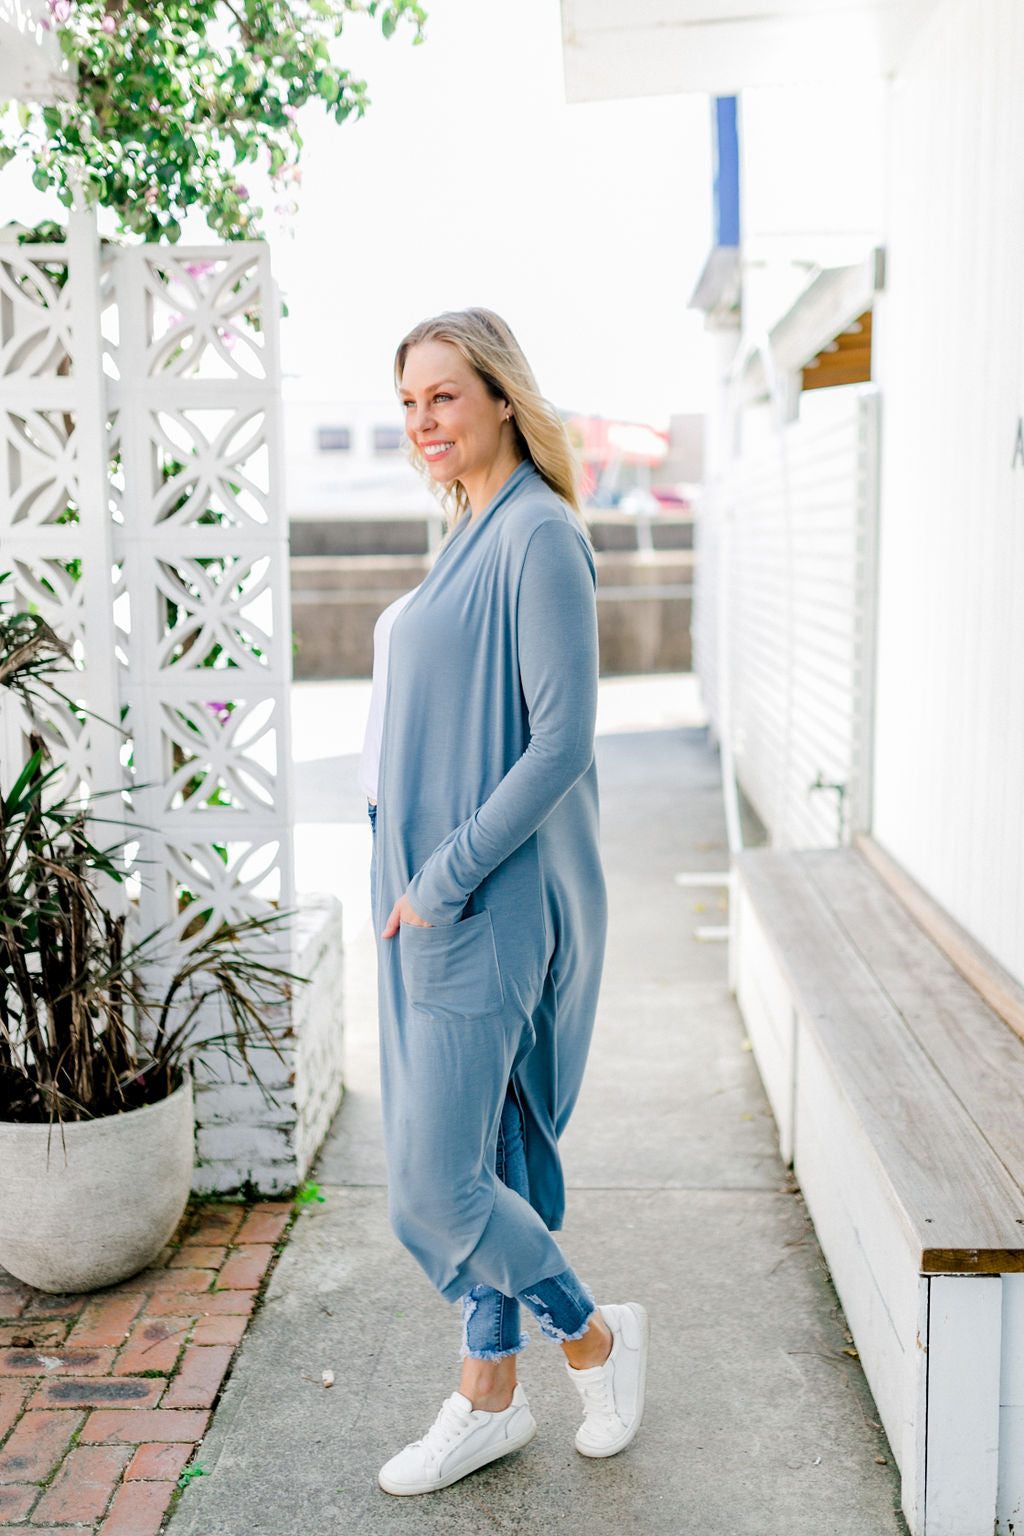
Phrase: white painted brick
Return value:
(238, 1103)
(224, 1178)
(319, 1029)
(277, 1071)
(240, 1138)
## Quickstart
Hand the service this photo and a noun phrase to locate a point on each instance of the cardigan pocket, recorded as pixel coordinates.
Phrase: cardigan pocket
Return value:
(451, 972)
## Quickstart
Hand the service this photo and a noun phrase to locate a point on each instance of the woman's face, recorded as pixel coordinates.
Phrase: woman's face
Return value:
(451, 417)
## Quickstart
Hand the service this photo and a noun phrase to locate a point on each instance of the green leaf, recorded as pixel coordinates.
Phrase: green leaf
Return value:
(327, 85)
(161, 100)
(307, 1193)
(15, 805)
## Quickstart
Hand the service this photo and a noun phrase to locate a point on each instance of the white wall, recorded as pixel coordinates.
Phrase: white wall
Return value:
(812, 184)
(949, 764)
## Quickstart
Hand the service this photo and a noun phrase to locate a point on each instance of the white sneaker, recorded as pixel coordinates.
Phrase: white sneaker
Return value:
(461, 1439)
(613, 1393)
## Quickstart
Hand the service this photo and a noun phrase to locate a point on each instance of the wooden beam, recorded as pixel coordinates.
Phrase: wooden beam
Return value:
(846, 359)
(855, 372)
(842, 357)
(849, 341)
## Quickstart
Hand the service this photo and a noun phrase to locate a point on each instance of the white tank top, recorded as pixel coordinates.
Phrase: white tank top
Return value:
(369, 763)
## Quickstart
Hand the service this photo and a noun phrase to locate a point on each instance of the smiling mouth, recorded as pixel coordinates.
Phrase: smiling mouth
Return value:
(435, 450)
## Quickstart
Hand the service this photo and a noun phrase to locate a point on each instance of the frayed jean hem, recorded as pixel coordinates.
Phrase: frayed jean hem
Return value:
(548, 1328)
(573, 1296)
(495, 1354)
(491, 1327)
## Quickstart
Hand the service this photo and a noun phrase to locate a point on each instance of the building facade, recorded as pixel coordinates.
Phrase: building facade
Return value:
(860, 638)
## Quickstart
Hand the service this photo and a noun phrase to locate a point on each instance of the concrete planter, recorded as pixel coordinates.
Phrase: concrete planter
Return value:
(97, 1206)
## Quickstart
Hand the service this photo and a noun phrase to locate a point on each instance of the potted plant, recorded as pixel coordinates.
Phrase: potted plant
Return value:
(98, 1030)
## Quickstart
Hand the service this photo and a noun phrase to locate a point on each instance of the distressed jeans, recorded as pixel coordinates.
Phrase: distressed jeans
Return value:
(561, 1304)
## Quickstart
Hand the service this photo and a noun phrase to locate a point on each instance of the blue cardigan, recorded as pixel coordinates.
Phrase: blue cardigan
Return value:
(488, 818)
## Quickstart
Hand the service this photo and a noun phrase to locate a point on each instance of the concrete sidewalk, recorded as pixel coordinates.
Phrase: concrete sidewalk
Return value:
(758, 1420)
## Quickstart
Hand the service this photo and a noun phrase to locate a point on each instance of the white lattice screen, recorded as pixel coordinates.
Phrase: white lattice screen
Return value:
(55, 527)
(141, 513)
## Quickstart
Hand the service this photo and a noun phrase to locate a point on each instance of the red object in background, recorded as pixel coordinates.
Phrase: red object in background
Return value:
(588, 482)
(626, 442)
(671, 496)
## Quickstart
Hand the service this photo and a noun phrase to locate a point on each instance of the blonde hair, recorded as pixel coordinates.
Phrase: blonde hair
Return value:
(491, 350)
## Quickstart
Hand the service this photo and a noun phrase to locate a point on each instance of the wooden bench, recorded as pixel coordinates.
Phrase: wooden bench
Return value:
(899, 1096)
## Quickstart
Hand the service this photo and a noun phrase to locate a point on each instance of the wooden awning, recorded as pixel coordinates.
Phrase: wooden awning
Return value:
(846, 359)
(825, 335)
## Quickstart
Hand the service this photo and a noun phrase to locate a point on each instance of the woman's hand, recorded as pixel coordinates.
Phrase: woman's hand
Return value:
(401, 912)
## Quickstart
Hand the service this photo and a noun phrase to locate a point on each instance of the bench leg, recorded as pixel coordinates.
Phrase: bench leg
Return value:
(961, 1453)
(1011, 1423)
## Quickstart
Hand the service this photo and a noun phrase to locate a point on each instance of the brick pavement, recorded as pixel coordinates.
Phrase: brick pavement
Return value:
(104, 1399)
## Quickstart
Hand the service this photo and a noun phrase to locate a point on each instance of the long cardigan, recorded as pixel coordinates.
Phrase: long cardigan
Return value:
(488, 818)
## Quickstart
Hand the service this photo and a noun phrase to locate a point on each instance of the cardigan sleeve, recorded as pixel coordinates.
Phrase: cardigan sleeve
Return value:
(557, 656)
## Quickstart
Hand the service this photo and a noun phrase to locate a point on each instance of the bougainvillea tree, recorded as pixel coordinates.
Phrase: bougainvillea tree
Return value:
(174, 101)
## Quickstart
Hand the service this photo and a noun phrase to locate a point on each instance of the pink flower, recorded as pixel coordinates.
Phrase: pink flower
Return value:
(108, 24)
(240, 191)
(151, 196)
(60, 10)
(198, 268)
(221, 710)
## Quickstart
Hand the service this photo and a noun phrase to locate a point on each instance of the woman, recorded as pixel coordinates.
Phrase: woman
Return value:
(489, 898)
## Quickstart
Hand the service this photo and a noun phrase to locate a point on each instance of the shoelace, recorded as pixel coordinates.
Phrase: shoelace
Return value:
(598, 1398)
(450, 1423)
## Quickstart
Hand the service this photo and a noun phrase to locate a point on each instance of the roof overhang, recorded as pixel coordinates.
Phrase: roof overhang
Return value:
(664, 47)
(833, 301)
(32, 64)
(719, 287)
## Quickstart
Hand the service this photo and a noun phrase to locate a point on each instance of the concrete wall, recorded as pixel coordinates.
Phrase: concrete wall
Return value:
(643, 604)
(415, 535)
(949, 338)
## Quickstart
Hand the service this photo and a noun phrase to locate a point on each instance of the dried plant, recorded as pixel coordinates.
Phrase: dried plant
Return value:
(90, 1023)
